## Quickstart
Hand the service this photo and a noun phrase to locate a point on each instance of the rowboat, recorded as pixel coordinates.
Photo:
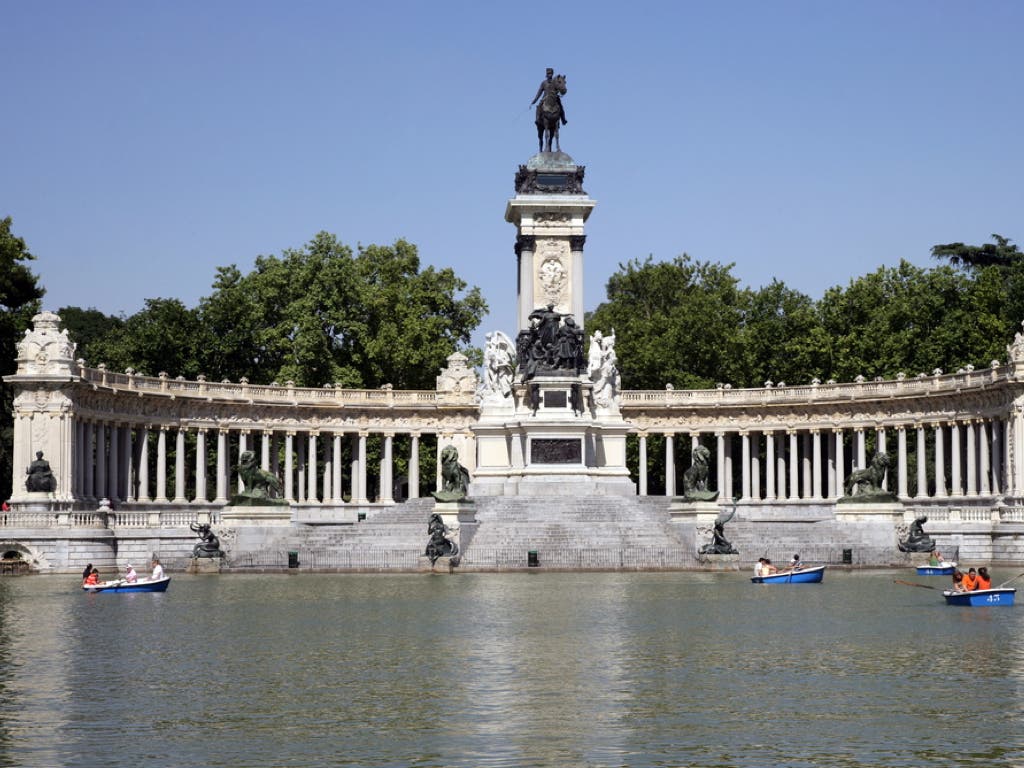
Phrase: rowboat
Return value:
(942, 569)
(120, 585)
(801, 576)
(996, 596)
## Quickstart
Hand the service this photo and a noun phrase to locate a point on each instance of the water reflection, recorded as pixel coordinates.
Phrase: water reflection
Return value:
(516, 670)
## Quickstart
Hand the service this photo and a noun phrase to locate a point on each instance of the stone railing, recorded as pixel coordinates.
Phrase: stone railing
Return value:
(173, 518)
(259, 393)
(934, 384)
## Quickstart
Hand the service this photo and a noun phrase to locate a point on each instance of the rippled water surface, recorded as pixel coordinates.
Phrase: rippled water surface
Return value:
(508, 670)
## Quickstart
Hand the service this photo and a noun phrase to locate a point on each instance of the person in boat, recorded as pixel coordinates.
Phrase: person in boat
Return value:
(130, 575)
(158, 570)
(935, 559)
(984, 580)
(93, 577)
(768, 569)
(958, 580)
(759, 567)
(86, 572)
(970, 580)
(795, 564)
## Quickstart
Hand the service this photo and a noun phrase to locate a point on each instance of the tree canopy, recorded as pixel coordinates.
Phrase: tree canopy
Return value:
(19, 301)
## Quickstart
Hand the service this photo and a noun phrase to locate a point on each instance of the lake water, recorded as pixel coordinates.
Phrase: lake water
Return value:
(592, 669)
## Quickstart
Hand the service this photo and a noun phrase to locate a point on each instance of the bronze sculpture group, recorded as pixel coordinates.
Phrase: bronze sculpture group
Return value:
(40, 477)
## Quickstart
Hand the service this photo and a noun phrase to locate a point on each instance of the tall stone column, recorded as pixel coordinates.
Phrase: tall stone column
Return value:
(161, 465)
(222, 465)
(313, 496)
(901, 461)
(794, 464)
(955, 459)
(922, 464)
(769, 466)
(265, 439)
(997, 456)
(880, 442)
(338, 496)
(745, 483)
(289, 463)
(243, 446)
(144, 494)
(755, 467)
(940, 462)
(128, 451)
(831, 471)
(727, 490)
(780, 469)
(816, 462)
(300, 471)
(179, 466)
(985, 465)
(354, 493)
(200, 465)
(807, 463)
(89, 464)
(642, 464)
(387, 470)
(414, 465)
(362, 467)
(114, 466)
(840, 479)
(972, 462)
(862, 448)
(720, 472)
(670, 464)
(102, 491)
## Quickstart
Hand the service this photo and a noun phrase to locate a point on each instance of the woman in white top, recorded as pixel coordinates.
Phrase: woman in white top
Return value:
(158, 570)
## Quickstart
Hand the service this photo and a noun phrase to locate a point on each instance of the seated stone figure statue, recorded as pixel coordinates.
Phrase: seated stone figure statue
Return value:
(40, 476)
(209, 544)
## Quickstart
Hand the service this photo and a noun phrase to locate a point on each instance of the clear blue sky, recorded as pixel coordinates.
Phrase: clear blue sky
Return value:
(146, 143)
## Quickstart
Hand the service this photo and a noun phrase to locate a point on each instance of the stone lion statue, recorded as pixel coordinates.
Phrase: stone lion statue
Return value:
(868, 481)
(258, 483)
(695, 479)
(454, 476)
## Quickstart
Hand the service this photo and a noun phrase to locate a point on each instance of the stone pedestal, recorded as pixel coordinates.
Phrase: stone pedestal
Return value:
(869, 511)
(719, 562)
(683, 510)
(253, 515)
(441, 565)
(204, 565)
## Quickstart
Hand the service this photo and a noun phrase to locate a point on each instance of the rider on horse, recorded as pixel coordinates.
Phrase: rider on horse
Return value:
(549, 85)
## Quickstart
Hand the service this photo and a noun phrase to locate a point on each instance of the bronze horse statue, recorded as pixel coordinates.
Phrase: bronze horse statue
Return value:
(549, 114)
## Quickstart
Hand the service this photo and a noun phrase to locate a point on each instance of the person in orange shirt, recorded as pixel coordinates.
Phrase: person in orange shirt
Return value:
(984, 580)
(971, 580)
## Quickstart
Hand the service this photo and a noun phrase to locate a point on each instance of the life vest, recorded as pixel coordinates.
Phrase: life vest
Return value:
(92, 578)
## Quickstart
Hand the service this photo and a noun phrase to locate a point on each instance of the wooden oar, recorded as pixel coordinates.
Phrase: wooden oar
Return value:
(1011, 580)
(915, 584)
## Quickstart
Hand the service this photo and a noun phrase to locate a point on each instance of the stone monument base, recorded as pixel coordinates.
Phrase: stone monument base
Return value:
(444, 564)
(682, 510)
(271, 515)
(719, 562)
(204, 565)
(870, 512)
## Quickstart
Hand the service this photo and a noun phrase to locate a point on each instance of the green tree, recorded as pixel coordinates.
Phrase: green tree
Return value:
(86, 326)
(20, 297)
(324, 315)
(675, 322)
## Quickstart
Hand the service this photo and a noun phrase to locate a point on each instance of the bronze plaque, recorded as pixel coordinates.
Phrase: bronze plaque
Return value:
(551, 450)
(555, 399)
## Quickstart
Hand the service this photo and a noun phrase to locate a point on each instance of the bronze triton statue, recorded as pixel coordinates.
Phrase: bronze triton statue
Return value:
(550, 112)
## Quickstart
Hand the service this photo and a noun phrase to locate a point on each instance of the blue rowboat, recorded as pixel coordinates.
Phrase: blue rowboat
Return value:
(802, 576)
(142, 585)
(943, 569)
(997, 596)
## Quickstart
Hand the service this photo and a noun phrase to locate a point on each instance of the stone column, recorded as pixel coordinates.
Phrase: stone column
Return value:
(222, 465)
(300, 471)
(338, 496)
(101, 461)
(780, 469)
(354, 493)
(880, 442)
(275, 449)
(794, 465)
(642, 468)
(955, 459)
(745, 483)
(997, 456)
(862, 448)
(840, 450)
(524, 249)
(940, 462)
(144, 495)
(200, 465)
(670, 464)
(386, 494)
(922, 464)
(265, 437)
(313, 496)
(720, 472)
(830, 464)
(769, 466)
(985, 466)
(89, 464)
(243, 446)
(755, 467)
(362, 466)
(289, 463)
(131, 493)
(161, 465)
(972, 464)
(806, 463)
(727, 491)
(816, 468)
(901, 448)
(414, 465)
(113, 464)
(179, 467)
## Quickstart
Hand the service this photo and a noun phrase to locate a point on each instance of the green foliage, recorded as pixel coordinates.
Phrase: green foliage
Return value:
(19, 301)
(85, 326)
